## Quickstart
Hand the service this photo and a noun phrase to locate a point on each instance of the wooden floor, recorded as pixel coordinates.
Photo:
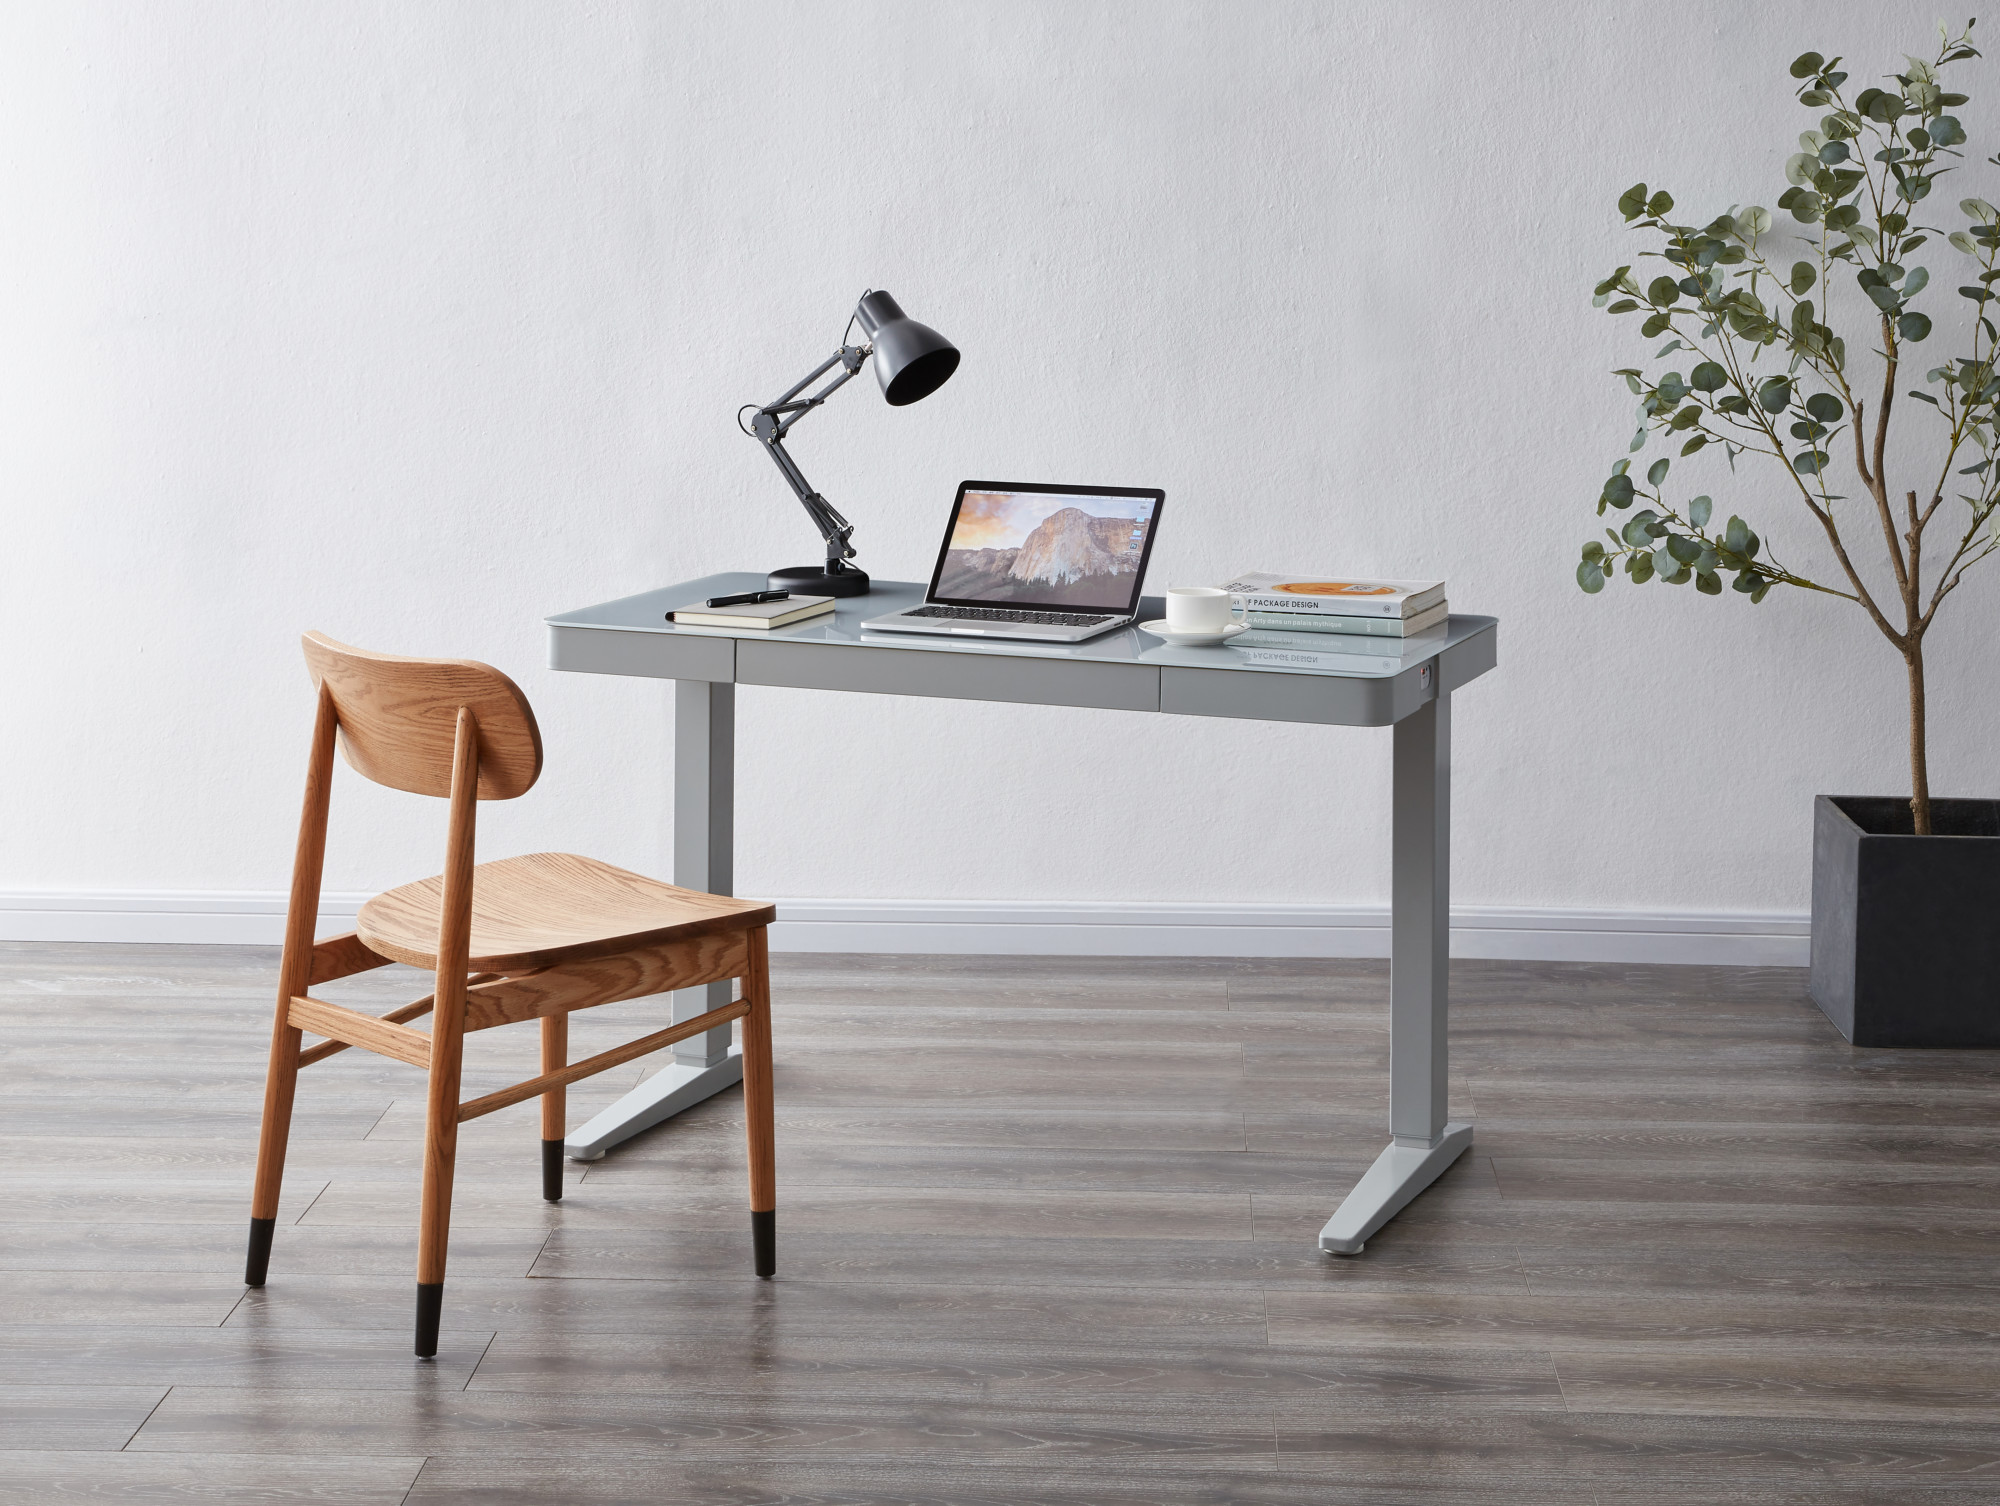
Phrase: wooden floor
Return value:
(1045, 1234)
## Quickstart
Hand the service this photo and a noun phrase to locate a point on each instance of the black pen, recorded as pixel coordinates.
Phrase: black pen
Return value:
(749, 598)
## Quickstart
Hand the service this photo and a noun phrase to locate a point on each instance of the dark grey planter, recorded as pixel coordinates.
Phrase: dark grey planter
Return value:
(1906, 929)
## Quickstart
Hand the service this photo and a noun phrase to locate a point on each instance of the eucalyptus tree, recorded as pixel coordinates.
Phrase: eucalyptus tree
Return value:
(1768, 376)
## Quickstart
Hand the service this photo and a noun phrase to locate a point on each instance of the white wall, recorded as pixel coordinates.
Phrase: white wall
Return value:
(416, 322)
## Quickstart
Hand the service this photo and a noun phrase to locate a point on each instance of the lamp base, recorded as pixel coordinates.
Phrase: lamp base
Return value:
(813, 580)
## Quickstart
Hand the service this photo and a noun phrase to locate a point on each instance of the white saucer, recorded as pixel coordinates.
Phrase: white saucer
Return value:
(1159, 629)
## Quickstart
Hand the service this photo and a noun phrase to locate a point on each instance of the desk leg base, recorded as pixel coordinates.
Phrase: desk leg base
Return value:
(655, 1100)
(1387, 1187)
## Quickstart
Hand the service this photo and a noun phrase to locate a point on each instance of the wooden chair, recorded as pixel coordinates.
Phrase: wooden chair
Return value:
(528, 938)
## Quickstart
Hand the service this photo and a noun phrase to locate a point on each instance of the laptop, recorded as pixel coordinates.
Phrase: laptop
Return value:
(1047, 564)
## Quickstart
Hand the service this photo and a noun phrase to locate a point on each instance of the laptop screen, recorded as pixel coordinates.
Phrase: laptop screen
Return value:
(1024, 545)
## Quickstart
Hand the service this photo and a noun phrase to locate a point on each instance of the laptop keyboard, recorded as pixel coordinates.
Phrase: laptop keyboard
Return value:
(1010, 614)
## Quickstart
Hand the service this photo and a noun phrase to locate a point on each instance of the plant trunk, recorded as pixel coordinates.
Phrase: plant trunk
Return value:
(1920, 774)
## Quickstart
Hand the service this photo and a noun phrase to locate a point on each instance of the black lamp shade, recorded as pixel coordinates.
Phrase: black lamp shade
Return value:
(912, 360)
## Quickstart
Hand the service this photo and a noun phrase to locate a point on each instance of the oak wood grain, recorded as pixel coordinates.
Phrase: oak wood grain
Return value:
(384, 1037)
(654, 969)
(590, 1066)
(399, 718)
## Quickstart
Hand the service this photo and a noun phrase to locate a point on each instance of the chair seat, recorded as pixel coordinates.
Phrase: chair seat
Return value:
(547, 908)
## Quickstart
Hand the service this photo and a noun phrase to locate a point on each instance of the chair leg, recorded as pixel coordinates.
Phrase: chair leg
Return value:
(555, 1056)
(281, 1080)
(440, 1161)
(758, 1108)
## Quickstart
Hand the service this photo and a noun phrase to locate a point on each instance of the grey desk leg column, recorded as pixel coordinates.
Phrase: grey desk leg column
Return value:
(1422, 1140)
(704, 858)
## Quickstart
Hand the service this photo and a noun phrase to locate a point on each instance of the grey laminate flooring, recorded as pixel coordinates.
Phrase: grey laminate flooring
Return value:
(1045, 1234)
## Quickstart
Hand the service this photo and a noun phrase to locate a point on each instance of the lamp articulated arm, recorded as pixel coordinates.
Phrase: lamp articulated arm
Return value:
(911, 362)
(774, 421)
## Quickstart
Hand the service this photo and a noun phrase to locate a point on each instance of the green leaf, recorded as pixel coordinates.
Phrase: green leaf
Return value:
(1593, 550)
(1659, 204)
(1708, 377)
(1775, 395)
(1618, 490)
(1806, 64)
(1824, 406)
(1698, 511)
(1657, 473)
(1803, 277)
(1685, 550)
(1808, 462)
(1622, 306)
(1639, 567)
(1978, 209)
(1963, 242)
(1833, 152)
(1913, 325)
(1946, 131)
(1739, 538)
(1882, 297)
(1705, 581)
(1655, 324)
(1916, 282)
(1632, 203)
(1663, 291)
(1590, 576)
(1806, 208)
(1753, 222)
(1693, 444)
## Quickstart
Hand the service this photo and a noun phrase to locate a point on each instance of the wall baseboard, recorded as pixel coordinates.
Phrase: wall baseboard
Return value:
(1014, 927)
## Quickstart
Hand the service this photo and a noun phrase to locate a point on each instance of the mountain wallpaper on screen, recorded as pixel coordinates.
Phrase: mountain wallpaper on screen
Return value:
(1069, 558)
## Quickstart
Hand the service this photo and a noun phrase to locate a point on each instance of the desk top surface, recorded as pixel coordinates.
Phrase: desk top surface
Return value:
(1347, 656)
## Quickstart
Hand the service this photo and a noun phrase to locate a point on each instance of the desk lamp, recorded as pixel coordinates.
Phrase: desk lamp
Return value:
(912, 361)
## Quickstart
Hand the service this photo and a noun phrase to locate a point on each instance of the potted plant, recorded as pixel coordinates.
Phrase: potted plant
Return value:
(1906, 893)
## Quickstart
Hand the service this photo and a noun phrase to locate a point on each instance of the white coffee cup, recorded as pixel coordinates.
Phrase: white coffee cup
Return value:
(1200, 609)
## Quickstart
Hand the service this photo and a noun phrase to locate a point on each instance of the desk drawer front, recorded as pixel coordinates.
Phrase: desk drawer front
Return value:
(657, 656)
(1325, 699)
(951, 676)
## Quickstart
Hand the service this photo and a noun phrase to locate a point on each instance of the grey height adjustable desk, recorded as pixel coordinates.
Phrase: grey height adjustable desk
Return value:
(1123, 671)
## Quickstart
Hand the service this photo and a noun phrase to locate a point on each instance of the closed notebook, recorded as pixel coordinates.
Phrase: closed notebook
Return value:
(1328, 623)
(756, 614)
(1338, 596)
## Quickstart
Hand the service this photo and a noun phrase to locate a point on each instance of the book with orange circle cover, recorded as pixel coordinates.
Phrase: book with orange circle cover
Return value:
(1337, 595)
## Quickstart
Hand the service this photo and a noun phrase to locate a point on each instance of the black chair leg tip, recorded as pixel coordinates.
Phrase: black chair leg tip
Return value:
(552, 1170)
(257, 1264)
(430, 1307)
(764, 1242)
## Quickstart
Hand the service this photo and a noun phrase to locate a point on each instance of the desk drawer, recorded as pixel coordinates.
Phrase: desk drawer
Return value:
(1328, 699)
(656, 656)
(958, 676)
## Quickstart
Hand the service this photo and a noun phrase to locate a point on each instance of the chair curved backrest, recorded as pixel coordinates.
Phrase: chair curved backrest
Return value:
(399, 718)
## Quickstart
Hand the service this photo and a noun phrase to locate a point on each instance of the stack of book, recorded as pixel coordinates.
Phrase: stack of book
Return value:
(1290, 602)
